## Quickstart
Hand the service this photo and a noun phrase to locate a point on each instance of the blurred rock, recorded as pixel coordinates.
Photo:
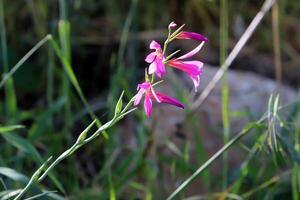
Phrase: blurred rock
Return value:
(249, 95)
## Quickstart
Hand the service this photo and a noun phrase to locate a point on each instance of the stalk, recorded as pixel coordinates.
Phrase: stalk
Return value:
(276, 44)
(225, 90)
(64, 37)
(10, 95)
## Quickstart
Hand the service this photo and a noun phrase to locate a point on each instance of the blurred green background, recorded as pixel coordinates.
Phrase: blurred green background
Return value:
(105, 43)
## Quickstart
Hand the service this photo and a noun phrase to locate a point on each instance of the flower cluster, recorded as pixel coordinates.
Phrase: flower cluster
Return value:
(158, 62)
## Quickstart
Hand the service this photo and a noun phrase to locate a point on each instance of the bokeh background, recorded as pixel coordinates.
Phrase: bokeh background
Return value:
(106, 43)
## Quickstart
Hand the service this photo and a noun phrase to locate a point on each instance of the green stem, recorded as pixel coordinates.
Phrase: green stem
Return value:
(50, 81)
(10, 94)
(3, 38)
(33, 179)
(64, 30)
(128, 105)
(276, 44)
(225, 90)
(79, 143)
(165, 46)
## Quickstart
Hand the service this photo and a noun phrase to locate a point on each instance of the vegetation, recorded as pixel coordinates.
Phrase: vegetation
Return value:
(64, 65)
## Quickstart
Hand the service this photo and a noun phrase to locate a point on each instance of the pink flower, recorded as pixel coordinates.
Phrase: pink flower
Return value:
(156, 59)
(193, 68)
(191, 35)
(147, 90)
(172, 25)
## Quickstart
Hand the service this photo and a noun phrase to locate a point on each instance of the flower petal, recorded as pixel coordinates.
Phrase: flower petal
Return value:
(150, 57)
(196, 81)
(139, 96)
(191, 35)
(196, 63)
(148, 105)
(160, 70)
(190, 68)
(169, 100)
(145, 85)
(193, 52)
(154, 45)
(172, 25)
(153, 93)
(152, 68)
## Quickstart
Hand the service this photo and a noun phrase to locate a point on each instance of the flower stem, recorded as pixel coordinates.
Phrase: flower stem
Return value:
(33, 178)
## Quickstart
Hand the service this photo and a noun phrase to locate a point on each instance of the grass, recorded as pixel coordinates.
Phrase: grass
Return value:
(131, 160)
(10, 96)
(224, 31)
(64, 34)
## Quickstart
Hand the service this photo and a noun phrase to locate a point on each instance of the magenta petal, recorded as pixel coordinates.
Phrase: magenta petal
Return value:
(150, 57)
(192, 35)
(190, 69)
(191, 53)
(152, 68)
(196, 63)
(145, 85)
(138, 96)
(153, 93)
(161, 70)
(148, 105)
(169, 100)
(154, 45)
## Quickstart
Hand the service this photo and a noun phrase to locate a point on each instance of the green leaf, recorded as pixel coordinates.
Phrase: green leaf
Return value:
(5, 129)
(83, 134)
(276, 104)
(112, 194)
(119, 105)
(64, 29)
(13, 174)
(45, 193)
(10, 94)
(23, 145)
(8, 194)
